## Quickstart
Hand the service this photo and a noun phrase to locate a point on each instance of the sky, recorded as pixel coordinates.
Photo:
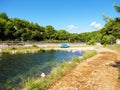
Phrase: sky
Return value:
(75, 16)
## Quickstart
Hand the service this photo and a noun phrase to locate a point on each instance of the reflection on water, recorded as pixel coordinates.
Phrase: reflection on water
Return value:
(16, 68)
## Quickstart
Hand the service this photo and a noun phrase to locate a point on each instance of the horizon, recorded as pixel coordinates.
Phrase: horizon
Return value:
(74, 16)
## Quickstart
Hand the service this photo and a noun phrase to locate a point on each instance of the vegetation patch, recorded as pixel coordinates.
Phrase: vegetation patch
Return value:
(56, 73)
(16, 50)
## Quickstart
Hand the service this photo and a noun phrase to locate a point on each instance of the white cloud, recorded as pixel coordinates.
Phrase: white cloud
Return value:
(71, 27)
(96, 25)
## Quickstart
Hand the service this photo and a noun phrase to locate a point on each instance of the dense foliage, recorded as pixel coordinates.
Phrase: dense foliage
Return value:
(15, 29)
(111, 31)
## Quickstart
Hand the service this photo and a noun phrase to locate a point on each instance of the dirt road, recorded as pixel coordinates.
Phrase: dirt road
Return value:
(95, 73)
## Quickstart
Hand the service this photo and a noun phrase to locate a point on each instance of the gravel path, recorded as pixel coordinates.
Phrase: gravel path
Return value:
(93, 74)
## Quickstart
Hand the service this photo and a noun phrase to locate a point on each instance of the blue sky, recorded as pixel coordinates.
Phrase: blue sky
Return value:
(75, 16)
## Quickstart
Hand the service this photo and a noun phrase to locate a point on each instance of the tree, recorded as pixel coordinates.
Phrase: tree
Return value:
(36, 35)
(26, 36)
(9, 31)
(4, 16)
(97, 36)
(49, 30)
(2, 28)
(74, 37)
(117, 8)
(85, 37)
(106, 18)
(62, 35)
(108, 39)
(112, 28)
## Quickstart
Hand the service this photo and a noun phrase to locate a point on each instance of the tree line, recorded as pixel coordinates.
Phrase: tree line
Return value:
(15, 29)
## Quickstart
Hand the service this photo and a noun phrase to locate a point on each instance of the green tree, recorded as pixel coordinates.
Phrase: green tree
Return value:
(112, 28)
(117, 8)
(74, 37)
(106, 18)
(50, 31)
(36, 35)
(63, 35)
(108, 39)
(9, 31)
(4, 16)
(26, 36)
(2, 28)
(85, 37)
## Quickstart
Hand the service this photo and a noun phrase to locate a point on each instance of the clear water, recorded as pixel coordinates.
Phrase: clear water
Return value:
(16, 68)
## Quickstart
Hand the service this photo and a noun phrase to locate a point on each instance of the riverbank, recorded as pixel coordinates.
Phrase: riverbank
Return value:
(15, 48)
(96, 73)
(54, 81)
(68, 66)
(35, 49)
(67, 70)
(21, 50)
(57, 73)
(91, 74)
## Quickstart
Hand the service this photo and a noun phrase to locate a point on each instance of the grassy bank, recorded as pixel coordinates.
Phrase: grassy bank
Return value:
(17, 50)
(36, 49)
(56, 73)
(116, 48)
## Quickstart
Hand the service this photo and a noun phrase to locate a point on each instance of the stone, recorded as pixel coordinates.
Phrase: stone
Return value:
(42, 75)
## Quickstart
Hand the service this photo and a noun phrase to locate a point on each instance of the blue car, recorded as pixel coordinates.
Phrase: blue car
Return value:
(64, 46)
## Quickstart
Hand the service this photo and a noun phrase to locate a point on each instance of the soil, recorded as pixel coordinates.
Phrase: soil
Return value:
(96, 73)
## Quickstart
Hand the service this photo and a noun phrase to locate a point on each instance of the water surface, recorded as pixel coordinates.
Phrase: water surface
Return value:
(16, 68)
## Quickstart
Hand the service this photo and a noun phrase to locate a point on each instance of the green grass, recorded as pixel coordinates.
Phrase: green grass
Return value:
(14, 50)
(56, 73)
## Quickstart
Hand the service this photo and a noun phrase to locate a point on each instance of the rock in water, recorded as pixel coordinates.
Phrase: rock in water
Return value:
(43, 75)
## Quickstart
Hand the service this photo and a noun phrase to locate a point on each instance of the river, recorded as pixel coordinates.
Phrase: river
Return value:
(16, 68)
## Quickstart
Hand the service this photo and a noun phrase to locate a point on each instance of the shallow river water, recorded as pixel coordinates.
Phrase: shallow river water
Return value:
(16, 68)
